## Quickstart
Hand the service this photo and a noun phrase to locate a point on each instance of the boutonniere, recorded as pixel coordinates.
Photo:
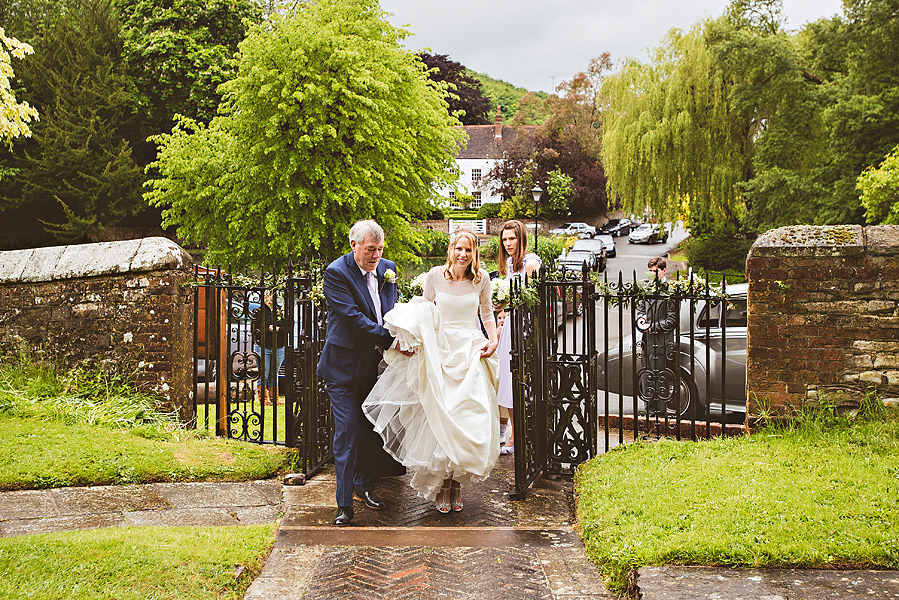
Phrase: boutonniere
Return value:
(389, 276)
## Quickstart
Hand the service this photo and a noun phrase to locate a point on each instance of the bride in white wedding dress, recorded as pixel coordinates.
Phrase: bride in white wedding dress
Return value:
(436, 410)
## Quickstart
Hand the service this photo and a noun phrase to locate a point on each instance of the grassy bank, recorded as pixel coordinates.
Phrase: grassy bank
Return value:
(139, 563)
(85, 427)
(823, 492)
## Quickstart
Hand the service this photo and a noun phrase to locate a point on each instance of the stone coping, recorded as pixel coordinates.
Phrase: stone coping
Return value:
(828, 240)
(91, 260)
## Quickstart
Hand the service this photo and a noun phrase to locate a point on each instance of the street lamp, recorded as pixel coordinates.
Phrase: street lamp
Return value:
(536, 192)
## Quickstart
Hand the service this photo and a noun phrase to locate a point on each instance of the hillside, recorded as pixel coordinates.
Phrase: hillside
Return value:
(506, 96)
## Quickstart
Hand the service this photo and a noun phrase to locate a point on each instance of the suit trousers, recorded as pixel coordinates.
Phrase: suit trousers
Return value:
(356, 446)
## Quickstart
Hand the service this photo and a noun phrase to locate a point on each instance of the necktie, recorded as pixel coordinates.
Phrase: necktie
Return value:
(372, 283)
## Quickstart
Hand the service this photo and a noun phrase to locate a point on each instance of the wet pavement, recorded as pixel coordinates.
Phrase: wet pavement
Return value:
(495, 549)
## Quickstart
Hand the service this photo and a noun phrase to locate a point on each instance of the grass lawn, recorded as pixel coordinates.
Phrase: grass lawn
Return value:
(135, 562)
(36, 453)
(84, 427)
(817, 494)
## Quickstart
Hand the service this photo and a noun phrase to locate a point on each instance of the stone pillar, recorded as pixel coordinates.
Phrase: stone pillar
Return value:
(823, 315)
(123, 304)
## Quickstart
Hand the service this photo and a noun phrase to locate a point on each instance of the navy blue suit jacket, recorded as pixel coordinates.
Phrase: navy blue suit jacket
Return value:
(349, 356)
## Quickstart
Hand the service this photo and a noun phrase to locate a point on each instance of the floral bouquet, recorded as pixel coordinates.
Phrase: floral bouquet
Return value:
(500, 292)
(418, 284)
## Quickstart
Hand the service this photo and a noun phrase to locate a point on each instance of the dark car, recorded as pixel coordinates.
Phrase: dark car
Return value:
(597, 247)
(725, 363)
(575, 259)
(616, 227)
(609, 242)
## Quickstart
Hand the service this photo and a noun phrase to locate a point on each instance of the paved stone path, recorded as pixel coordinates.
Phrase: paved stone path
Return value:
(495, 548)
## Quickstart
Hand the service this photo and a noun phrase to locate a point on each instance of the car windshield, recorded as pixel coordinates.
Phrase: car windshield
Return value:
(578, 255)
(644, 227)
(587, 244)
(567, 225)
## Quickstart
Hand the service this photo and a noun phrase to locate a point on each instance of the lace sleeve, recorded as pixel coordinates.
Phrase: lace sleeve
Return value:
(486, 299)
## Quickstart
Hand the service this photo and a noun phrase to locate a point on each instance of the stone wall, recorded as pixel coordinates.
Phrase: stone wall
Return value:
(120, 304)
(823, 315)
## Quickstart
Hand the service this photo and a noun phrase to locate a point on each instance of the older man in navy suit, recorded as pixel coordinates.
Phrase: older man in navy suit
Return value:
(358, 294)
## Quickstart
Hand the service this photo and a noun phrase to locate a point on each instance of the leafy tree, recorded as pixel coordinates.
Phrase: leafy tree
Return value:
(531, 110)
(77, 173)
(14, 115)
(879, 189)
(178, 52)
(328, 120)
(568, 142)
(559, 190)
(466, 98)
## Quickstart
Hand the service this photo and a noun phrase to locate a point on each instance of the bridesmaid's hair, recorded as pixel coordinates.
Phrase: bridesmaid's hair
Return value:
(518, 259)
(473, 271)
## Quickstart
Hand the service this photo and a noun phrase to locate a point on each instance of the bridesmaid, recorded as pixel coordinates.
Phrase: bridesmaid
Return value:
(514, 259)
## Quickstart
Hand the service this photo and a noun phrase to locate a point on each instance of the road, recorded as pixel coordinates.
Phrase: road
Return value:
(628, 264)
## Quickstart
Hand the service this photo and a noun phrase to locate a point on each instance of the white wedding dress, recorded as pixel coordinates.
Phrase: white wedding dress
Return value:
(436, 410)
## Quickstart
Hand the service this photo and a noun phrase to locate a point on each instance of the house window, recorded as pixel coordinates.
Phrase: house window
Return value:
(475, 175)
(452, 200)
(476, 203)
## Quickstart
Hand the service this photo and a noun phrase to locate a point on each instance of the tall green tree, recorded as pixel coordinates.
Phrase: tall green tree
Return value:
(879, 189)
(466, 97)
(328, 120)
(178, 52)
(76, 173)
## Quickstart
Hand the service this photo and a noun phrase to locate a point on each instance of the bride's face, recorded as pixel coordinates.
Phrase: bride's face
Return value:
(462, 251)
(510, 241)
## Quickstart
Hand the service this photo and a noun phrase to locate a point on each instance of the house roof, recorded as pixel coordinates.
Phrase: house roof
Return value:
(489, 141)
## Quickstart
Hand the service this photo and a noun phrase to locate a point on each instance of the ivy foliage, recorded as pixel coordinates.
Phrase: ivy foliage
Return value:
(328, 120)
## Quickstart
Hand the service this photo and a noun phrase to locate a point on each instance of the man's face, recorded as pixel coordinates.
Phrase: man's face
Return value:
(368, 253)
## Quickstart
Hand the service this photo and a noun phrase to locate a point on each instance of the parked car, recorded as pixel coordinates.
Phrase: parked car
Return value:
(597, 247)
(616, 227)
(579, 229)
(726, 362)
(608, 242)
(647, 233)
(576, 258)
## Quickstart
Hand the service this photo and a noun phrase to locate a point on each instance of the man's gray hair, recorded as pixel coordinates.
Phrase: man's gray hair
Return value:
(364, 230)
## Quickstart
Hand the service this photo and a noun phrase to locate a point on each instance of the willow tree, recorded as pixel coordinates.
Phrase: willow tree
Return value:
(670, 142)
(328, 120)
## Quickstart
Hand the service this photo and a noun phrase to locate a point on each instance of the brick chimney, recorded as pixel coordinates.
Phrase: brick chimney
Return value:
(498, 124)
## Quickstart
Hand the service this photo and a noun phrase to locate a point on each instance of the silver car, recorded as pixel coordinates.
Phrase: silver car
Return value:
(715, 358)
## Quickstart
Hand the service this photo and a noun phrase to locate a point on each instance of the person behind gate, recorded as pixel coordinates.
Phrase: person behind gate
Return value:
(656, 319)
(359, 288)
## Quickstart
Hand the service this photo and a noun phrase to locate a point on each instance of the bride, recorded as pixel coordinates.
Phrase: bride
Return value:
(436, 409)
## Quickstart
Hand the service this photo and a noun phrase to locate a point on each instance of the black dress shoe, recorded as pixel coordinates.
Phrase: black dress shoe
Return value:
(370, 500)
(344, 517)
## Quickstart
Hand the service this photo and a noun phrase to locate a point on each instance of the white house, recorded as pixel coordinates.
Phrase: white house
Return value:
(485, 147)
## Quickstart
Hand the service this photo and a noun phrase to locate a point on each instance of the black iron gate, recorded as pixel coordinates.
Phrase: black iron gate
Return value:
(621, 360)
(233, 353)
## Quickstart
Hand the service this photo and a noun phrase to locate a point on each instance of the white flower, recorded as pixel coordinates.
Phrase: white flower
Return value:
(418, 284)
(389, 276)
(500, 291)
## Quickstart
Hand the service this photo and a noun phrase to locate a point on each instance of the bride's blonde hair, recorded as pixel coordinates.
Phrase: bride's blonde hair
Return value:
(473, 271)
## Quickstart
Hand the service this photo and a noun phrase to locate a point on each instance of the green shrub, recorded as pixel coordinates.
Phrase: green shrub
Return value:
(716, 252)
(489, 211)
(432, 242)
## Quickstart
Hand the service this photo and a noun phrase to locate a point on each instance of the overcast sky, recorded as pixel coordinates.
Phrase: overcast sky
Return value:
(536, 44)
